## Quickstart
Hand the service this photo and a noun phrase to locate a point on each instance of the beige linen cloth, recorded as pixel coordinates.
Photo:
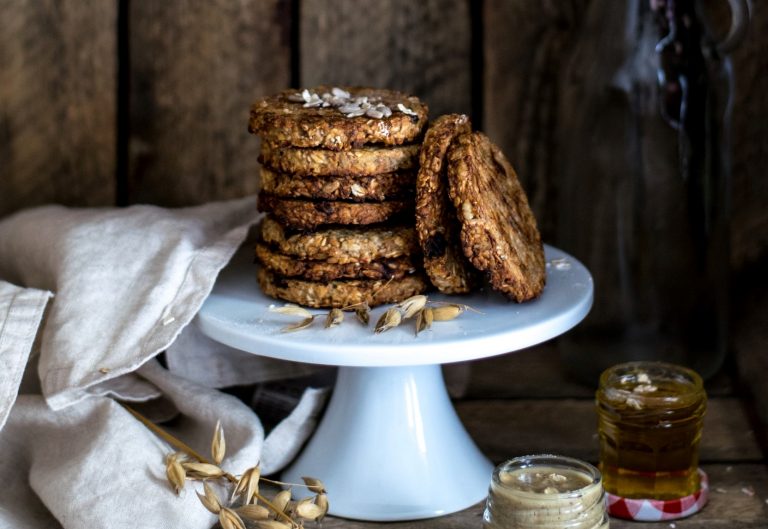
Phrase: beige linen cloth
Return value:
(88, 298)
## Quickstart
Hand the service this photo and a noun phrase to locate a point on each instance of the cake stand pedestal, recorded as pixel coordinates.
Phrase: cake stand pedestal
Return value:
(390, 445)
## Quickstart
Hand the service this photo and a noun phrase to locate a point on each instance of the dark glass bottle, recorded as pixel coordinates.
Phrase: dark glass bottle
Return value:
(650, 220)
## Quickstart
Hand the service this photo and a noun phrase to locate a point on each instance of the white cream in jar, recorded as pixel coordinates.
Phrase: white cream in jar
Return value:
(545, 492)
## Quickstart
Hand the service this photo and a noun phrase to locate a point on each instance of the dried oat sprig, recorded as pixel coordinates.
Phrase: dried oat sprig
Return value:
(303, 324)
(253, 512)
(165, 436)
(362, 312)
(279, 512)
(228, 518)
(243, 483)
(422, 310)
(463, 306)
(321, 500)
(175, 472)
(446, 312)
(314, 484)
(334, 318)
(197, 470)
(218, 444)
(292, 309)
(281, 500)
(419, 308)
(209, 499)
(388, 320)
(248, 485)
(412, 305)
(307, 510)
(424, 319)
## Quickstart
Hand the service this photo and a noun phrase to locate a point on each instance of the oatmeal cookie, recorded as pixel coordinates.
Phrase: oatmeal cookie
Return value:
(313, 270)
(341, 245)
(340, 293)
(338, 118)
(436, 224)
(378, 187)
(362, 161)
(309, 214)
(498, 229)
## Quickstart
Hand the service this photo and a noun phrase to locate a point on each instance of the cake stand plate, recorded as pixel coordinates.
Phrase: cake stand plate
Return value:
(390, 445)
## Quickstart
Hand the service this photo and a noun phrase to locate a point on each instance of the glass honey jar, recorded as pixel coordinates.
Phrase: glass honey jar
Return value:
(650, 418)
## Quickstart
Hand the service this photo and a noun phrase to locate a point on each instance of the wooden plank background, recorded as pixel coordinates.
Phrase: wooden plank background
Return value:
(420, 47)
(116, 102)
(58, 64)
(189, 71)
(195, 67)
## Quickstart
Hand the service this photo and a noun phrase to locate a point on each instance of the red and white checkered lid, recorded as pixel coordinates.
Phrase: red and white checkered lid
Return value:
(660, 510)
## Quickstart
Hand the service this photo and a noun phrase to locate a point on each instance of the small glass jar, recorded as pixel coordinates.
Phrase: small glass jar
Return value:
(650, 417)
(548, 491)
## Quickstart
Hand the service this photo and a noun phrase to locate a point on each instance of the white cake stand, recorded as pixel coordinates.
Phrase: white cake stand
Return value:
(390, 445)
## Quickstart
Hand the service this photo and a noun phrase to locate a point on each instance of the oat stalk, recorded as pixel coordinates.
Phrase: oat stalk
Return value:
(185, 448)
(218, 444)
(168, 438)
(419, 308)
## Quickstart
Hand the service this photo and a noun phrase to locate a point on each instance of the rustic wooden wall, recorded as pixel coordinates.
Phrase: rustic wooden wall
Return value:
(58, 63)
(188, 71)
(107, 102)
(419, 47)
(195, 67)
(750, 142)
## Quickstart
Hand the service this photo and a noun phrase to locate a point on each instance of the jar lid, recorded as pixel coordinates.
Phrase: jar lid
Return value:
(659, 510)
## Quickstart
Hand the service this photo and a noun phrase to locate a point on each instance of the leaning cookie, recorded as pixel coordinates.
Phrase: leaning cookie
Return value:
(366, 160)
(498, 229)
(313, 270)
(341, 245)
(358, 188)
(340, 293)
(309, 214)
(338, 118)
(436, 225)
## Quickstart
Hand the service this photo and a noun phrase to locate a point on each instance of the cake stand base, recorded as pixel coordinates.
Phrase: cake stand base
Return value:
(391, 447)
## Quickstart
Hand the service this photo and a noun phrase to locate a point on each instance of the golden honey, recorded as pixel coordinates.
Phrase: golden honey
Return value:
(650, 418)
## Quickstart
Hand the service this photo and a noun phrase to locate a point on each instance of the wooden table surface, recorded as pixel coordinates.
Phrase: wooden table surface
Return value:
(510, 415)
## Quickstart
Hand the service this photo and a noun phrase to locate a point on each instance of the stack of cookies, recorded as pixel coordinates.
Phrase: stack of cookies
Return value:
(360, 201)
(338, 182)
